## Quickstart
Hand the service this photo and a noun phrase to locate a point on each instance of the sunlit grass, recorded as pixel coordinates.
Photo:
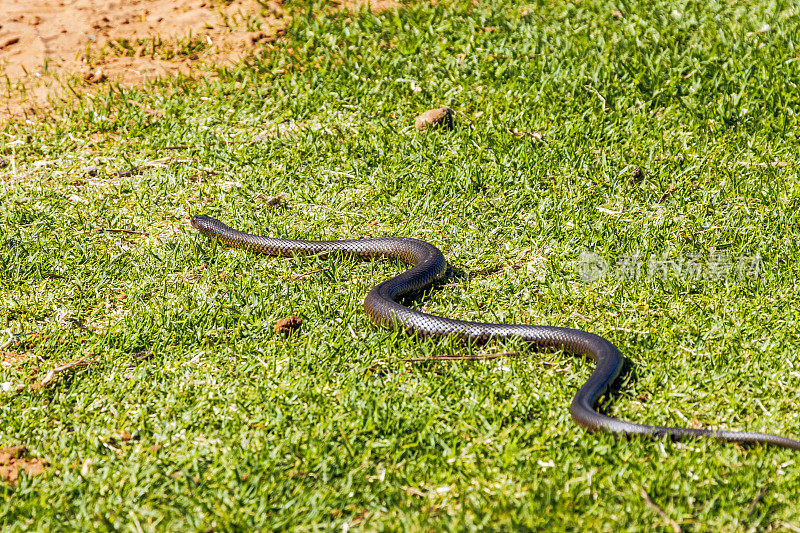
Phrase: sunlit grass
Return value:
(234, 426)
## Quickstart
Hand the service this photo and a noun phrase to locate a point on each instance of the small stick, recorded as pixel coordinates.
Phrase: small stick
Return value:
(124, 230)
(155, 163)
(63, 368)
(757, 500)
(675, 527)
(532, 134)
(306, 274)
(670, 190)
(142, 356)
(128, 173)
(51, 376)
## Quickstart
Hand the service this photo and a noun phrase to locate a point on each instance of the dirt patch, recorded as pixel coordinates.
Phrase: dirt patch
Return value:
(15, 459)
(41, 35)
(49, 48)
(52, 49)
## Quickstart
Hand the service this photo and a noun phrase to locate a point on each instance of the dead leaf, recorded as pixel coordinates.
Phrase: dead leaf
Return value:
(288, 325)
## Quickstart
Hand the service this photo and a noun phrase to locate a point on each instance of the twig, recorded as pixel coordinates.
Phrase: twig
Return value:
(155, 163)
(779, 164)
(51, 376)
(757, 500)
(675, 527)
(63, 368)
(140, 357)
(124, 230)
(670, 190)
(462, 357)
(596, 93)
(306, 274)
(346, 442)
(537, 135)
(271, 200)
(128, 173)
(764, 29)
(118, 47)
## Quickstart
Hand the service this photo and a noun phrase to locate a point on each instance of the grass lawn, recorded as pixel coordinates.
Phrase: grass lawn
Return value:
(658, 133)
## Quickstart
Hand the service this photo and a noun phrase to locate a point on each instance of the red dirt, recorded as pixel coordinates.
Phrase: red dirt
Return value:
(45, 43)
(13, 460)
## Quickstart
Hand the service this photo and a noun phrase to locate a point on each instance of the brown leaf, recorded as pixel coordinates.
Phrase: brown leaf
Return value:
(432, 119)
(288, 325)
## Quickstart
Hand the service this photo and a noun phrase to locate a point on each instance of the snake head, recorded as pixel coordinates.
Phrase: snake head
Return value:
(208, 226)
(201, 221)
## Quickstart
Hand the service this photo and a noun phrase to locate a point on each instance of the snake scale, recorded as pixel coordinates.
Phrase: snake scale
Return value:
(381, 304)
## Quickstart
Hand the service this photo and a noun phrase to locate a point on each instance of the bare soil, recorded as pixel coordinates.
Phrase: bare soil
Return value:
(14, 460)
(46, 45)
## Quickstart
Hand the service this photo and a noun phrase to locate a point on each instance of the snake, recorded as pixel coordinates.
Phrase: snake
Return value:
(428, 264)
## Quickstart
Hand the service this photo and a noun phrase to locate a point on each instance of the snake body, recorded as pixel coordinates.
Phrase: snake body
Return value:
(381, 304)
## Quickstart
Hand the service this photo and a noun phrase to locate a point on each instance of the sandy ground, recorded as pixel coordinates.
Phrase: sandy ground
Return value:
(45, 44)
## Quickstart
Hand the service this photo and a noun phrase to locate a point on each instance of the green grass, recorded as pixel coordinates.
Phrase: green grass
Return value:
(332, 428)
